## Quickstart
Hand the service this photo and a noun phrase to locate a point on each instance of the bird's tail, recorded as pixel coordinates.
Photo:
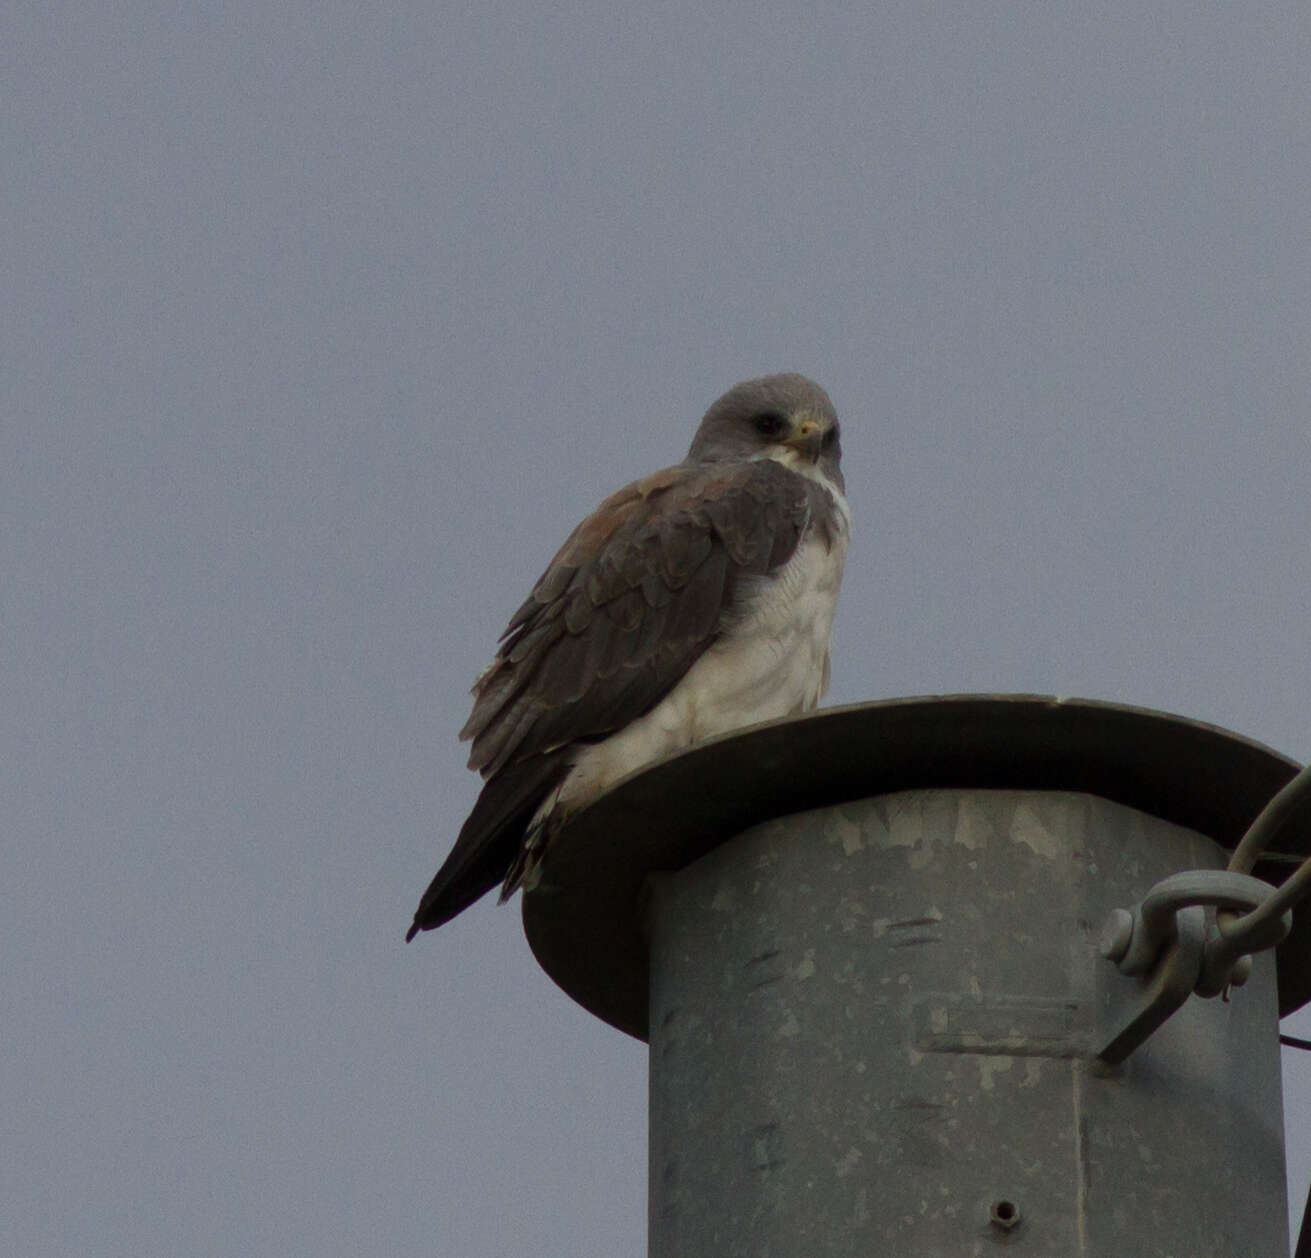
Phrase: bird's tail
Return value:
(487, 846)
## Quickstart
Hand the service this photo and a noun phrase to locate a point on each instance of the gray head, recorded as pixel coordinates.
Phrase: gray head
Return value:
(785, 417)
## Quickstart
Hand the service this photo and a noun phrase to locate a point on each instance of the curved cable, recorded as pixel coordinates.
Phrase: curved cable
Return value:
(1271, 820)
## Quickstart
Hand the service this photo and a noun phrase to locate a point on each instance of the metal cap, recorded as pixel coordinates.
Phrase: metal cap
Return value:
(585, 921)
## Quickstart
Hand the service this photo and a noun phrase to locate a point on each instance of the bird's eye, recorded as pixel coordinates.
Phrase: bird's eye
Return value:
(770, 424)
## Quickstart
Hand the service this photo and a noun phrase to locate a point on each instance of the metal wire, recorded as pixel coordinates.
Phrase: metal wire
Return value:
(1260, 835)
(1287, 894)
(1265, 829)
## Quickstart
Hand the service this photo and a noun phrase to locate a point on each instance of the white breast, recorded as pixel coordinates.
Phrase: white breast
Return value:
(773, 662)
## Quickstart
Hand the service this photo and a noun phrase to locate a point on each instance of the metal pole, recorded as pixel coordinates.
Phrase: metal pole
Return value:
(869, 1035)
(1304, 1233)
(864, 948)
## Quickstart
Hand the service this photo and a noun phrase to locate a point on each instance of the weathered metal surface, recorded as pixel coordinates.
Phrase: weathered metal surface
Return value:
(870, 1028)
(585, 922)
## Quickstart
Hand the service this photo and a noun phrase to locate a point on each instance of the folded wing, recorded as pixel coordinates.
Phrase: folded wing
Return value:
(641, 588)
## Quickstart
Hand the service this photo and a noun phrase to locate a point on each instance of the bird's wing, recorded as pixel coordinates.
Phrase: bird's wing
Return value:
(641, 588)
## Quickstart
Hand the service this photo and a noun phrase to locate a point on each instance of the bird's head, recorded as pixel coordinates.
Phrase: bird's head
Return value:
(787, 418)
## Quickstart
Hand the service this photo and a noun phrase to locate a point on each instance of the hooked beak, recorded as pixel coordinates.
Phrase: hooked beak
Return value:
(807, 438)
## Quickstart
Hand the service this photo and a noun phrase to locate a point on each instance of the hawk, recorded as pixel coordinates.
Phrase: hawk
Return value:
(693, 602)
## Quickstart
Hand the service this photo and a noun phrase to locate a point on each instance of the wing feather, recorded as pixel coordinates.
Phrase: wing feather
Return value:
(489, 840)
(641, 588)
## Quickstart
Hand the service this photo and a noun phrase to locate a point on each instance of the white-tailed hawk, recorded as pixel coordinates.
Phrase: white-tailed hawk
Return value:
(690, 603)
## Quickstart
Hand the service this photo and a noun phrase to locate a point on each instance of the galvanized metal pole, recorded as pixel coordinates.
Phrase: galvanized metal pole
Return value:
(870, 1027)
(863, 947)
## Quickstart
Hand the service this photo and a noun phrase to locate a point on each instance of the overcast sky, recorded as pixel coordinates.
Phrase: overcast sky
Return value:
(322, 325)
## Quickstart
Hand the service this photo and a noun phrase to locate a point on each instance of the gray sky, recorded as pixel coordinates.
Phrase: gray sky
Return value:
(323, 323)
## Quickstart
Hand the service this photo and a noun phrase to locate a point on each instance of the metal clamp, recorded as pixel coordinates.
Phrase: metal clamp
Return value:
(1170, 984)
(1166, 938)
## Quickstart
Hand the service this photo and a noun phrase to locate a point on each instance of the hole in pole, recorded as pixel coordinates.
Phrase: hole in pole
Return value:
(1003, 1214)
